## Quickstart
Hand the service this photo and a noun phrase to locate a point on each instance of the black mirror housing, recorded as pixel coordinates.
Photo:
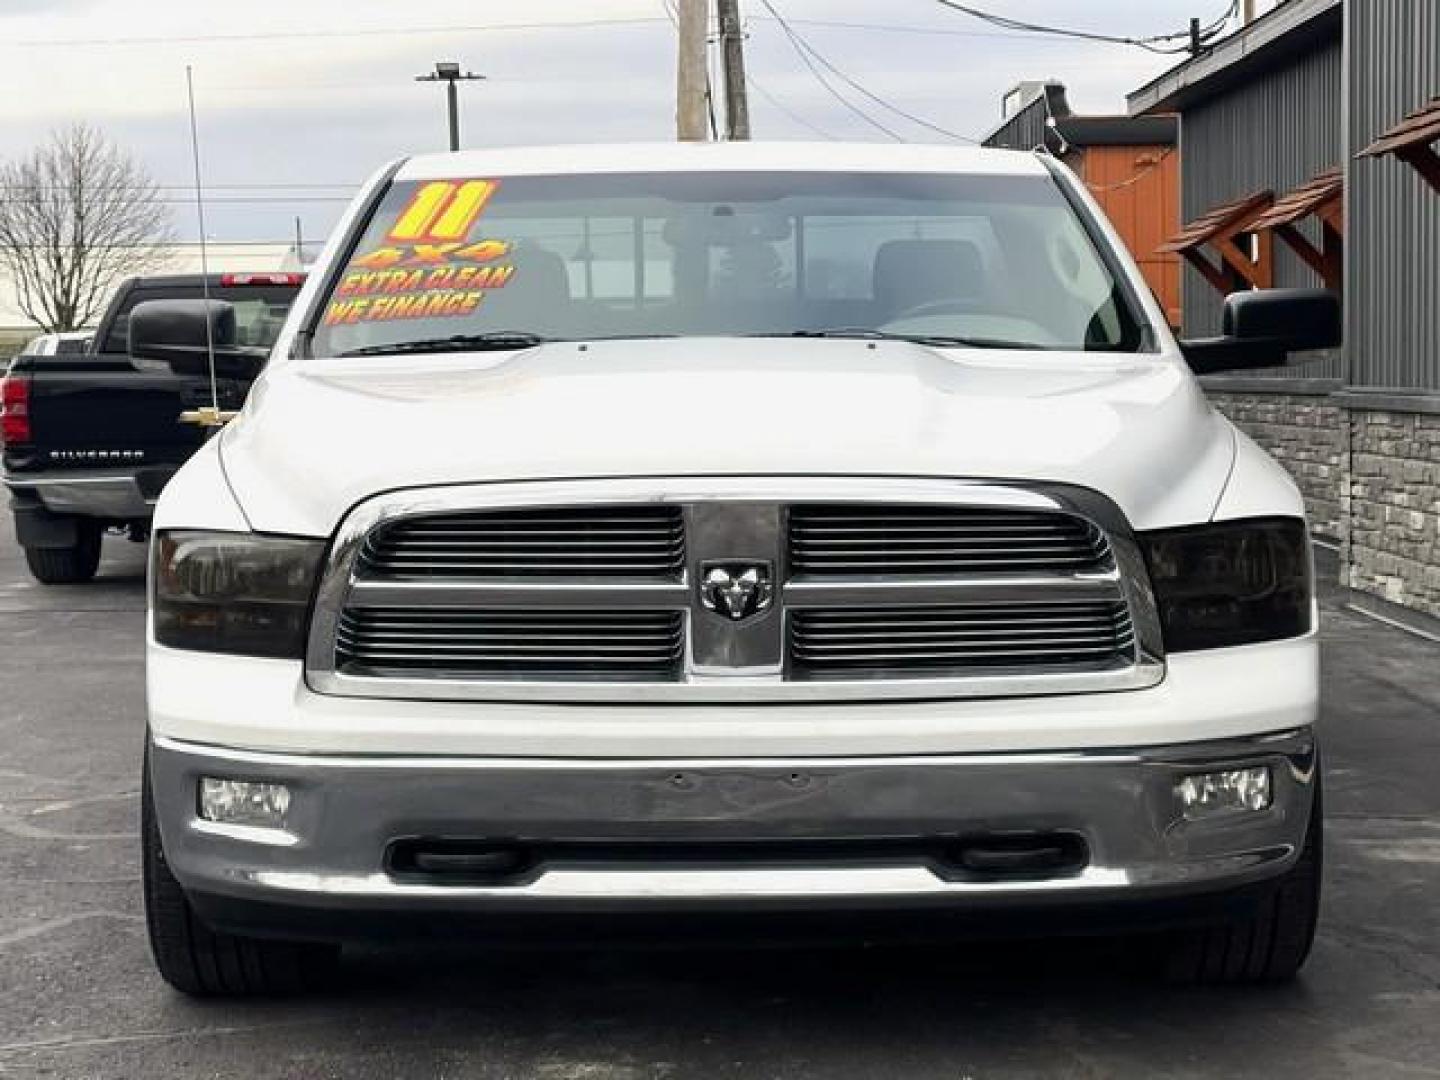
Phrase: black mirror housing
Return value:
(1263, 327)
(182, 333)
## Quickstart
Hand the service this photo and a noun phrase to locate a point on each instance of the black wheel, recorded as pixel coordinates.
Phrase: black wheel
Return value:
(1271, 944)
(206, 963)
(68, 565)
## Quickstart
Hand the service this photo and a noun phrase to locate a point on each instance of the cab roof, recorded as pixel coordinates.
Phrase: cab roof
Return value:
(661, 157)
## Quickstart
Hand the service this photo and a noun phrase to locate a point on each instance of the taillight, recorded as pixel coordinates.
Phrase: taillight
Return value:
(14, 410)
(262, 279)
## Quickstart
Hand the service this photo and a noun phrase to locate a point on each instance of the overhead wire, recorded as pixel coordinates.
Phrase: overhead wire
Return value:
(280, 35)
(862, 90)
(897, 28)
(805, 51)
(800, 51)
(1156, 43)
(781, 107)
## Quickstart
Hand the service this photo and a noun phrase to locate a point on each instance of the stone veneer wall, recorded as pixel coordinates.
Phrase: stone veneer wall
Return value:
(1306, 434)
(1371, 480)
(1394, 543)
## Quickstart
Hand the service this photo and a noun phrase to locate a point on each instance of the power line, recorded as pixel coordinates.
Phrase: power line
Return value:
(280, 35)
(90, 188)
(780, 106)
(1154, 43)
(898, 28)
(858, 88)
(181, 200)
(173, 245)
(800, 51)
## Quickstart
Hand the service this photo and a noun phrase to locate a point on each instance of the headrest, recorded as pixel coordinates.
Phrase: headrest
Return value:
(909, 273)
(539, 272)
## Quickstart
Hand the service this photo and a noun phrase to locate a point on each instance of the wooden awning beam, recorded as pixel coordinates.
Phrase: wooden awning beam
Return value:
(1327, 260)
(1425, 161)
(1220, 229)
(1323, 196)
(1412, 141)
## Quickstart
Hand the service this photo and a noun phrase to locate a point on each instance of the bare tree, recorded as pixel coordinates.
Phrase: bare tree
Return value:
(76, 216)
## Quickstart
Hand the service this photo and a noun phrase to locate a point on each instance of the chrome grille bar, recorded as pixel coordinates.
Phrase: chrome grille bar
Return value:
(874, 640)
(847, 539)
(507, 643)
(1012, 588)
(628, 542)
(603, 595)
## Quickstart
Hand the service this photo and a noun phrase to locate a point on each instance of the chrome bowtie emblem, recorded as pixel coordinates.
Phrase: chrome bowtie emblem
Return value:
(736, 590)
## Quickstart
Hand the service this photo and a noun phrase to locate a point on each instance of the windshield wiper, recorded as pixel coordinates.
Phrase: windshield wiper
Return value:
(937, 340)
(492, 340)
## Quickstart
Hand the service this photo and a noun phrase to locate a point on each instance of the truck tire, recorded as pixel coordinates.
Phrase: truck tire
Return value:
(68, 565)
(1271, 944)
(207, 963)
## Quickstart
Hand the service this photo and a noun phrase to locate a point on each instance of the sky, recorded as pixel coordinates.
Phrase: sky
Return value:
(300, 100)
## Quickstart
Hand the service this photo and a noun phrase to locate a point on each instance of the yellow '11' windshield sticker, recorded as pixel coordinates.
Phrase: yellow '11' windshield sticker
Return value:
(427, 267)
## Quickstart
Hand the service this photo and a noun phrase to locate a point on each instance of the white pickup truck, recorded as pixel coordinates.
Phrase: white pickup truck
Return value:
(741, 530)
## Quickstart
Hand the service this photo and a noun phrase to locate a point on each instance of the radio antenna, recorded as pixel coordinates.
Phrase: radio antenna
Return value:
(213, 418)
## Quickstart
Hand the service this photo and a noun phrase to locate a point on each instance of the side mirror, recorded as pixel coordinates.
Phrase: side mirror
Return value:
(1262, 328)
(182, 333)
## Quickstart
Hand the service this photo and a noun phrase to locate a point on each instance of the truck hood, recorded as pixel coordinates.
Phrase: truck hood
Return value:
(316, 437)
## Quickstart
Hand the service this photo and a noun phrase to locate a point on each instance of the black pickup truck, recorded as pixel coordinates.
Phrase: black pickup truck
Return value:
(91, 438)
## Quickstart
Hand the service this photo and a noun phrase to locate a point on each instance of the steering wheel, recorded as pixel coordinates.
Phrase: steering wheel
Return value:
(936, 307)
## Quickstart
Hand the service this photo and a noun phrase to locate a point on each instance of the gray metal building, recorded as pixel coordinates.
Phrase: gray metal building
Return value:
(1392, 284)
(1303, 89)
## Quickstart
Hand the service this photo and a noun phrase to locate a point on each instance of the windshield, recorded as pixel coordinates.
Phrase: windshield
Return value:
(475, 262)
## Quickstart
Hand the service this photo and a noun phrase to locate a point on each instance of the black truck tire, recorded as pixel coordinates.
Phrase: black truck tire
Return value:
(202, 962)
(1269, 945)
(68, 565)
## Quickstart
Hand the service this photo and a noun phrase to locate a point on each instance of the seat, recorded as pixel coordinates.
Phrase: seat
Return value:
(908, 273)
(537, 298)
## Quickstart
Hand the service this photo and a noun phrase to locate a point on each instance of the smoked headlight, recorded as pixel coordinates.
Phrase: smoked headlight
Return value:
(1231, 583)
(233, 592)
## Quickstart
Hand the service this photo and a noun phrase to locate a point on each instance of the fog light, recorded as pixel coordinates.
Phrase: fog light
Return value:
(1210, 793)
(244, 802)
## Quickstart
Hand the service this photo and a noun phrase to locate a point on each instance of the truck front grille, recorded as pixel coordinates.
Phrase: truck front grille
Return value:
(896, 642)
(854, 539)
(505, 644)
(733, 590)
(589, 541)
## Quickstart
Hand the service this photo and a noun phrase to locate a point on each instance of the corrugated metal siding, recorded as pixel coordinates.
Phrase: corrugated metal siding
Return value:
(1024, 131)
(1393, 248)
(1274, 132)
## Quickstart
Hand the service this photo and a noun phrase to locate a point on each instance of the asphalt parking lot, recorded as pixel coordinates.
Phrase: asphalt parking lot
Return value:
(78, 997)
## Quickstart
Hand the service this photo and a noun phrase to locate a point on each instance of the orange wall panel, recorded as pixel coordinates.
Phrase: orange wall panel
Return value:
(1138, 187)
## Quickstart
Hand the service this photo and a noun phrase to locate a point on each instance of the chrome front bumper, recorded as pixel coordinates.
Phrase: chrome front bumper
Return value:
(346, 813)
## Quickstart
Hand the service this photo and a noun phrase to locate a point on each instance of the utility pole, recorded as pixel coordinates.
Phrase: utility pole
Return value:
(732, 50)
(690, 70)
(1247, 12)
(448, 72)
